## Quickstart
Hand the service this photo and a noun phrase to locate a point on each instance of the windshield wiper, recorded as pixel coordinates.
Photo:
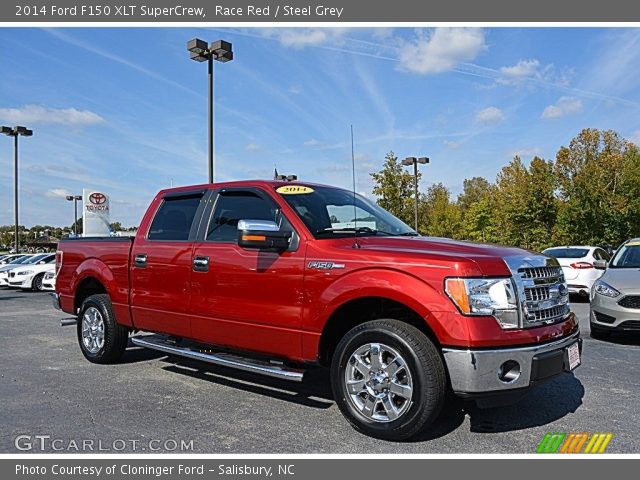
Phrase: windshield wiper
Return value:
(408, 234)
(347, 229)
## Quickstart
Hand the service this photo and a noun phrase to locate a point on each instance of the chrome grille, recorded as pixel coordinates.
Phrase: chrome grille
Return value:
(542, 290)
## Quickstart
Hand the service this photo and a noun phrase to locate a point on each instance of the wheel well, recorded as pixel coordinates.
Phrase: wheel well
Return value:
(362, 310)
(89, 286)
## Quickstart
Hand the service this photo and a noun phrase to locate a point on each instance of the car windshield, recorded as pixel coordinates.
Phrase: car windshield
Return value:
(628, 256)
(330, 212)
(567, 252)
(21, 260)
(34, 259)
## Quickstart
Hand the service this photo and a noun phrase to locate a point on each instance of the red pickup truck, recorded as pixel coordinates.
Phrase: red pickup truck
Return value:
(277, 278)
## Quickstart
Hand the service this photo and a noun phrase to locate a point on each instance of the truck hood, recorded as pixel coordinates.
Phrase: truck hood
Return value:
(490, 259)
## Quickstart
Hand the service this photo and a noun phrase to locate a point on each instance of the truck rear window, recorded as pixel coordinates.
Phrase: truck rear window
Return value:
(174, 218)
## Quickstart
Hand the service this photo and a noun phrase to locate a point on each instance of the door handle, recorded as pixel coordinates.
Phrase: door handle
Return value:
(140, 260)
(200, 264)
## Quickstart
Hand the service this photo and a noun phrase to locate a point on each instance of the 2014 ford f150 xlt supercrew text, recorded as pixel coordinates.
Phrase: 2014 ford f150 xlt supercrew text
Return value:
(277, 278)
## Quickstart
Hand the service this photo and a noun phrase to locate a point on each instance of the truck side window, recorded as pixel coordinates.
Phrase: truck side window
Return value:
(233, 206)
(174, 218)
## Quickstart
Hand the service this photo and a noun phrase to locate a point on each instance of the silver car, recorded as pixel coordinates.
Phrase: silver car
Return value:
(615, 297)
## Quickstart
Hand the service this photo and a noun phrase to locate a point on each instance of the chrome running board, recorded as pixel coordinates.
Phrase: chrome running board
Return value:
(224, 359)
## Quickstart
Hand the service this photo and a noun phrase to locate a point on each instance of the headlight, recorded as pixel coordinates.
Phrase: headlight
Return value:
(25, 272)
(486, 296)
(603, 288)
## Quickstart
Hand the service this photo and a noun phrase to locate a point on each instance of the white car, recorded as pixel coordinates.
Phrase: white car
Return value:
(30, 276)
(577, 265)
(49, 281)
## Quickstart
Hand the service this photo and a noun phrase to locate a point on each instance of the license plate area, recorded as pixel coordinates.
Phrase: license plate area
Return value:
(572, 357)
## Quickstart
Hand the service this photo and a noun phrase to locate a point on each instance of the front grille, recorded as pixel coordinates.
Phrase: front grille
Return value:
(630, 301)
(12, 274)
(546, 297)
(604, 318)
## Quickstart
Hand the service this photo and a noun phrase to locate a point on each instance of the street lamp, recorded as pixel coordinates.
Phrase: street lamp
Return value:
(74, 199)
(201, 52)
(415, 161)
(15, 132)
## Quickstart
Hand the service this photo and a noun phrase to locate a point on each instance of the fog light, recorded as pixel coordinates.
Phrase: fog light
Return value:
(509, 371)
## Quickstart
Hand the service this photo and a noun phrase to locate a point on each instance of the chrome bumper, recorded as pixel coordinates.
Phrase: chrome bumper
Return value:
(55, 299)
(477, 371)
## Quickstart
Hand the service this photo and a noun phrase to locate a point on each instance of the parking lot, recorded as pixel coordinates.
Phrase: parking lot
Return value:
(151, 402)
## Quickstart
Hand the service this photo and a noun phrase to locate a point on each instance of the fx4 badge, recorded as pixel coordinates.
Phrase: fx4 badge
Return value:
(325, 265)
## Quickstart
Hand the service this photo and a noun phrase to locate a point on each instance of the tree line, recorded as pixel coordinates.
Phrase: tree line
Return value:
(590, 194)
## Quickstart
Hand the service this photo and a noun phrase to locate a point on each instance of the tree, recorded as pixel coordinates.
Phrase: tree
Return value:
(438, 216)
(394, 188)
(474, 190)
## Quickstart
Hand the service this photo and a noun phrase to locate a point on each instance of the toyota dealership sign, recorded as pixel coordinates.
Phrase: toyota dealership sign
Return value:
(95, 215)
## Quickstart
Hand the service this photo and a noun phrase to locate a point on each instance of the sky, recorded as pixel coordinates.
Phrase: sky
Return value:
(124, 110)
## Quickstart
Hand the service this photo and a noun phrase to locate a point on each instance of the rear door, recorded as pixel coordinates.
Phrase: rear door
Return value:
(246, 298)
(161, 265)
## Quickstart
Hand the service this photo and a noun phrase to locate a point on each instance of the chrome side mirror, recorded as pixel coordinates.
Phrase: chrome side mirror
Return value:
(600, 264)
(262, 235)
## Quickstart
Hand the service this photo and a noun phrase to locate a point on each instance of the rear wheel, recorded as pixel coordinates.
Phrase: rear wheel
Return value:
(388, 379)
(36, 284)
(100, 337)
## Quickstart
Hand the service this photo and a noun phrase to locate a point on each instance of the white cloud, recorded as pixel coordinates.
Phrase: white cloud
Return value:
(300, 38)
(442, 50)
(635, 137)
(57, 193)
(532, 69)
(489, 116)
(252, 147)
(564, 106)
(294, 90)
(40, 114)
(312, 143)
(451, 144)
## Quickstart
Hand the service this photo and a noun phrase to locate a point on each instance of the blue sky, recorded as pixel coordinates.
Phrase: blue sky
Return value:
(124, 110)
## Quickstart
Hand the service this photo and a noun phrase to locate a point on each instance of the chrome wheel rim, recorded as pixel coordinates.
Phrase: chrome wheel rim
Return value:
(92, 330)
(378, 382)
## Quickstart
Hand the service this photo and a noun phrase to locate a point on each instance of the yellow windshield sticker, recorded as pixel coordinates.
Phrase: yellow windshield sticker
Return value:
(294, 189)
(635, 243)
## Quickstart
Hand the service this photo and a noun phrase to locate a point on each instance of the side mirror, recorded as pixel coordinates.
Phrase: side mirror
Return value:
(262, 235)
(600, 264)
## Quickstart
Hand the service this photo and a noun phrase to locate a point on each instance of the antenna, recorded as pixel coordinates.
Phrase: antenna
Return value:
(353, 176)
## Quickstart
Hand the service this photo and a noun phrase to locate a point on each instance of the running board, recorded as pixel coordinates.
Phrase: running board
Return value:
(261, 367)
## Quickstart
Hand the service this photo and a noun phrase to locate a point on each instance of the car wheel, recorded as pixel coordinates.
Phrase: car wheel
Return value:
(101, 338)
(388, 379)
(36, 284)
(599, 333)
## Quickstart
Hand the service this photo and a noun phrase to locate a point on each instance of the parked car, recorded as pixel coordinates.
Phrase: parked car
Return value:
(31, 259)
(49, 281)
(10, 257)
(31, 276)
(577, 265)
(275, 278)
(615, 297)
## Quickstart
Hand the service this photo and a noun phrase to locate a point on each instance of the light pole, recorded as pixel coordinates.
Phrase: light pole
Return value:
(201, 52)
(415, 161)
(15, 132)
(75, 199)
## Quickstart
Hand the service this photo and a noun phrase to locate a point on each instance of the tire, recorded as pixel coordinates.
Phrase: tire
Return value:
(105, 339)
(36, 283)
(388, 415)
(599, 333)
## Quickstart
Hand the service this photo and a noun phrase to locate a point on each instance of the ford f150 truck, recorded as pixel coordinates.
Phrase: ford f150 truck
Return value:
(276, 278)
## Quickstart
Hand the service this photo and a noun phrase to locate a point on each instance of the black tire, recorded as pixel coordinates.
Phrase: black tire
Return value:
(425, 366)
(36, 283)
(599, 333)
(116, 336)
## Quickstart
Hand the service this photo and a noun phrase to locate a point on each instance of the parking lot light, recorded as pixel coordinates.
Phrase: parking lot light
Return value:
(16, 132)
(415, 161)
(220, 51)
(75, 199)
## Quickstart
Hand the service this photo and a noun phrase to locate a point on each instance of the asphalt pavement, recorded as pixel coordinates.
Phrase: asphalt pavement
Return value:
(53, 400)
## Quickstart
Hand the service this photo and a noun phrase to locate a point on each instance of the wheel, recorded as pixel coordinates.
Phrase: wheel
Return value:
(36, 284)
(388, 379)
(599, 333)
(100, 337)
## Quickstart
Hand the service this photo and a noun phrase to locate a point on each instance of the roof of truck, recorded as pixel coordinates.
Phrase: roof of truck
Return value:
(243, 183)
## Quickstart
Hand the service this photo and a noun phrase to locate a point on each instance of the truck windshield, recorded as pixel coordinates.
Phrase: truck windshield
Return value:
(329, 213)
(628, 256)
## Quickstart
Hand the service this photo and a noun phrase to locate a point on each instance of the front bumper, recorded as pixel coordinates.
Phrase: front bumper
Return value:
(20, 282)
(478, 371)
(607, 314)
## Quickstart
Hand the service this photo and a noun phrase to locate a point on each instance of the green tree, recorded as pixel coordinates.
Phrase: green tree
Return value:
(438, 215)
(393, 185)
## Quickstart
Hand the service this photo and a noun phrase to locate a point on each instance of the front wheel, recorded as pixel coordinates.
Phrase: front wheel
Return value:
(101, 338)
(388, 379)
(36, 285)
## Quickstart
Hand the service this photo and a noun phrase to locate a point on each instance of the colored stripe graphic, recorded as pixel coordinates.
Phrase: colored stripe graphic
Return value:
(574, 443)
